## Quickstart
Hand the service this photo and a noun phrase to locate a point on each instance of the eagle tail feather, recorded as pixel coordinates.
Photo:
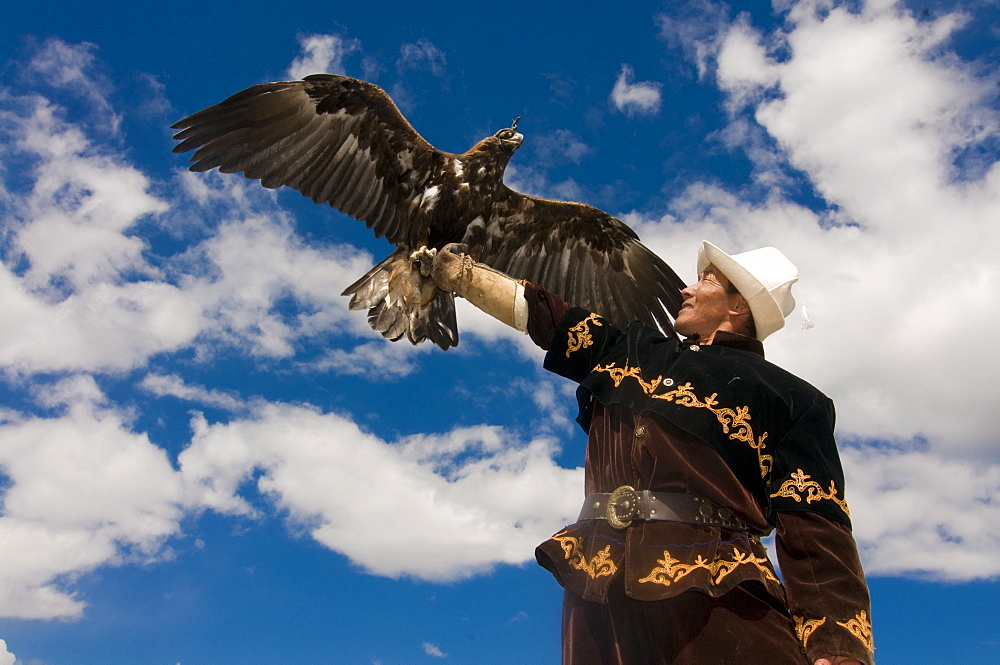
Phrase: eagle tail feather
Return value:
(397, 307)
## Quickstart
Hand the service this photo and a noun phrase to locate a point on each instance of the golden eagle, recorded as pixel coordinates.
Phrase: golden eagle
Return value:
(342, 141)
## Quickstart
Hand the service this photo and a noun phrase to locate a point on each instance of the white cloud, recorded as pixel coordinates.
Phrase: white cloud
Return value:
(76, 277)
(84, 491)
(6, 657)
(71, 232)
(535, 182)
(73, 67)
(696, 26)
(238, 275)
(376, 359)
(923, 514)
(560, 147)
(322, 54)
(914, 266)
(470, 499)
(86, 199)
(174, 386)
(894, 301)
(744, 70)
(433, 650)
(635, 98)
(898, 273)
(422, 54)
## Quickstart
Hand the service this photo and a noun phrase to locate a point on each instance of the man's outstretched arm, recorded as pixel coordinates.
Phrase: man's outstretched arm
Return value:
(490, 290)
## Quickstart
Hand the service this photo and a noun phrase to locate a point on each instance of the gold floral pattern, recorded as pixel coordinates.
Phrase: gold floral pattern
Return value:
(861, 628)
(671, 570)
(600, 565)
(579, 335)
(804, 628)
(800, 482)
(735, 422)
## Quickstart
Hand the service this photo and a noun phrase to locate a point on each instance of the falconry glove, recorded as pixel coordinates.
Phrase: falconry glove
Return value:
(492, 291)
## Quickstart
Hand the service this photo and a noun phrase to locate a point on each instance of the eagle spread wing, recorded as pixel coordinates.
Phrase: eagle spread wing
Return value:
(342, 141)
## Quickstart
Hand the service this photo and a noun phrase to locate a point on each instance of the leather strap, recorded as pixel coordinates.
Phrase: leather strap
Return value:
(626, 504)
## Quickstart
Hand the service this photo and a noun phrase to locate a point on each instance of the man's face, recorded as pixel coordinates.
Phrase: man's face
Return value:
(707, 304)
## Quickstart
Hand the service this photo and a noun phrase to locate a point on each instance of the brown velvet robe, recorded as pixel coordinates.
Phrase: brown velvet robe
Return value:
(674, 593)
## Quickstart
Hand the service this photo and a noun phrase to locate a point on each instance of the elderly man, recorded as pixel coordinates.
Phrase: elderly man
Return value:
(696, 449)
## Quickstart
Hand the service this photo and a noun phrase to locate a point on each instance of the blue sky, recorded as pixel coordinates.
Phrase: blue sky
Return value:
(206, 458)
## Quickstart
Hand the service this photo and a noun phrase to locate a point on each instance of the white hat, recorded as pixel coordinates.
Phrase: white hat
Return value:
(763, 276)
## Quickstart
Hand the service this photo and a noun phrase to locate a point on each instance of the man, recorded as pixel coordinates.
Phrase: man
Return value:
(695, 450)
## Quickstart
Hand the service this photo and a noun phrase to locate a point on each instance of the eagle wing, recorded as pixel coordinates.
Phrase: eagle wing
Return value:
(586, 256)
(335, 139)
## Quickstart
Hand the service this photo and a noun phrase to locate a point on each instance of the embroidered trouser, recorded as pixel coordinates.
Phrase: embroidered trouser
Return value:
(690, 629)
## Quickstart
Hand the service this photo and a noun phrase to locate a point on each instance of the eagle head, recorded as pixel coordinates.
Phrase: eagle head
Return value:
(510, 140)
(492, 154)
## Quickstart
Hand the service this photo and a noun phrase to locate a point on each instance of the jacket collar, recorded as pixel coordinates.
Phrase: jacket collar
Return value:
(733, 341)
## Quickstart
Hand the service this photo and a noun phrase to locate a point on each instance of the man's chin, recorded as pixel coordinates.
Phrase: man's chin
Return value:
(682, 327)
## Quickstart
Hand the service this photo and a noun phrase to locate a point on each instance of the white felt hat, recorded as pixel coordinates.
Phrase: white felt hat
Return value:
(763, 276)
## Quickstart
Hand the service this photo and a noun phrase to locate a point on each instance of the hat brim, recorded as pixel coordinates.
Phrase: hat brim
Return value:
(766, 312)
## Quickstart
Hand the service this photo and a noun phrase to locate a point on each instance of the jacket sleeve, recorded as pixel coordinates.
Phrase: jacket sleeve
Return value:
(574, 338)
(545, 311)
(827, 593)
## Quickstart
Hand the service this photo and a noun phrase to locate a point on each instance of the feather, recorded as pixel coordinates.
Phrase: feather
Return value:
(343, 142)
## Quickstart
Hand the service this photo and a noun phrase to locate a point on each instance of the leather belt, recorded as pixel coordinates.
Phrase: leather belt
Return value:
(626, 504)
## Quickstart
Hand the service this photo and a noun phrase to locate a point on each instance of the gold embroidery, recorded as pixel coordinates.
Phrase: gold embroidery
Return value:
(735, 422)
(582, 339)
(600, 565)
(803, 628)
(814, 491)
(861, 628)
(671, 570)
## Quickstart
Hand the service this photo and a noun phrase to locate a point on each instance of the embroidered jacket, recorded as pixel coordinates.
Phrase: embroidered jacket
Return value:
(722, 423)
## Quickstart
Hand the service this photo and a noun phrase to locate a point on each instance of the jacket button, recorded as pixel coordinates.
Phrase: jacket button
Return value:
(640, 430)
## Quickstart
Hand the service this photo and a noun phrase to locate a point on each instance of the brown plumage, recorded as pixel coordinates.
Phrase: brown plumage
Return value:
(342, 141)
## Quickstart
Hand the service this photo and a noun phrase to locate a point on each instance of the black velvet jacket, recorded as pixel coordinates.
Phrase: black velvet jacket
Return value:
(722, 423)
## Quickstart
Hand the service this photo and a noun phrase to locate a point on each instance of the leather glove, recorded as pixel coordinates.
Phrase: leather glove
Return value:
(490, 290)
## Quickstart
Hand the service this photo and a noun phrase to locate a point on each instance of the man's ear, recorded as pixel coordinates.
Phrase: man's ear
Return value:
(738, 305)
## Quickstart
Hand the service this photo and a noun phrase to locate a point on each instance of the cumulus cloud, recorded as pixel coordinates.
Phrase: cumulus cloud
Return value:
(77, 278)
(6, 657)
(322, 54)
(69, 241)
(953, 536)
(868, 105)
(255, 262)
(84, 491)
(478, 489)
(893, 300)
(635, 97)
(68, 509)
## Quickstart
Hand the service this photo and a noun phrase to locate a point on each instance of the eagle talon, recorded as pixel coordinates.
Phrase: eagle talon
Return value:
(424, 258)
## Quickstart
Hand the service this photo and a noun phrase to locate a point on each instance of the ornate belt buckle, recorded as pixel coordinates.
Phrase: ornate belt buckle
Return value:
(622, 507)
